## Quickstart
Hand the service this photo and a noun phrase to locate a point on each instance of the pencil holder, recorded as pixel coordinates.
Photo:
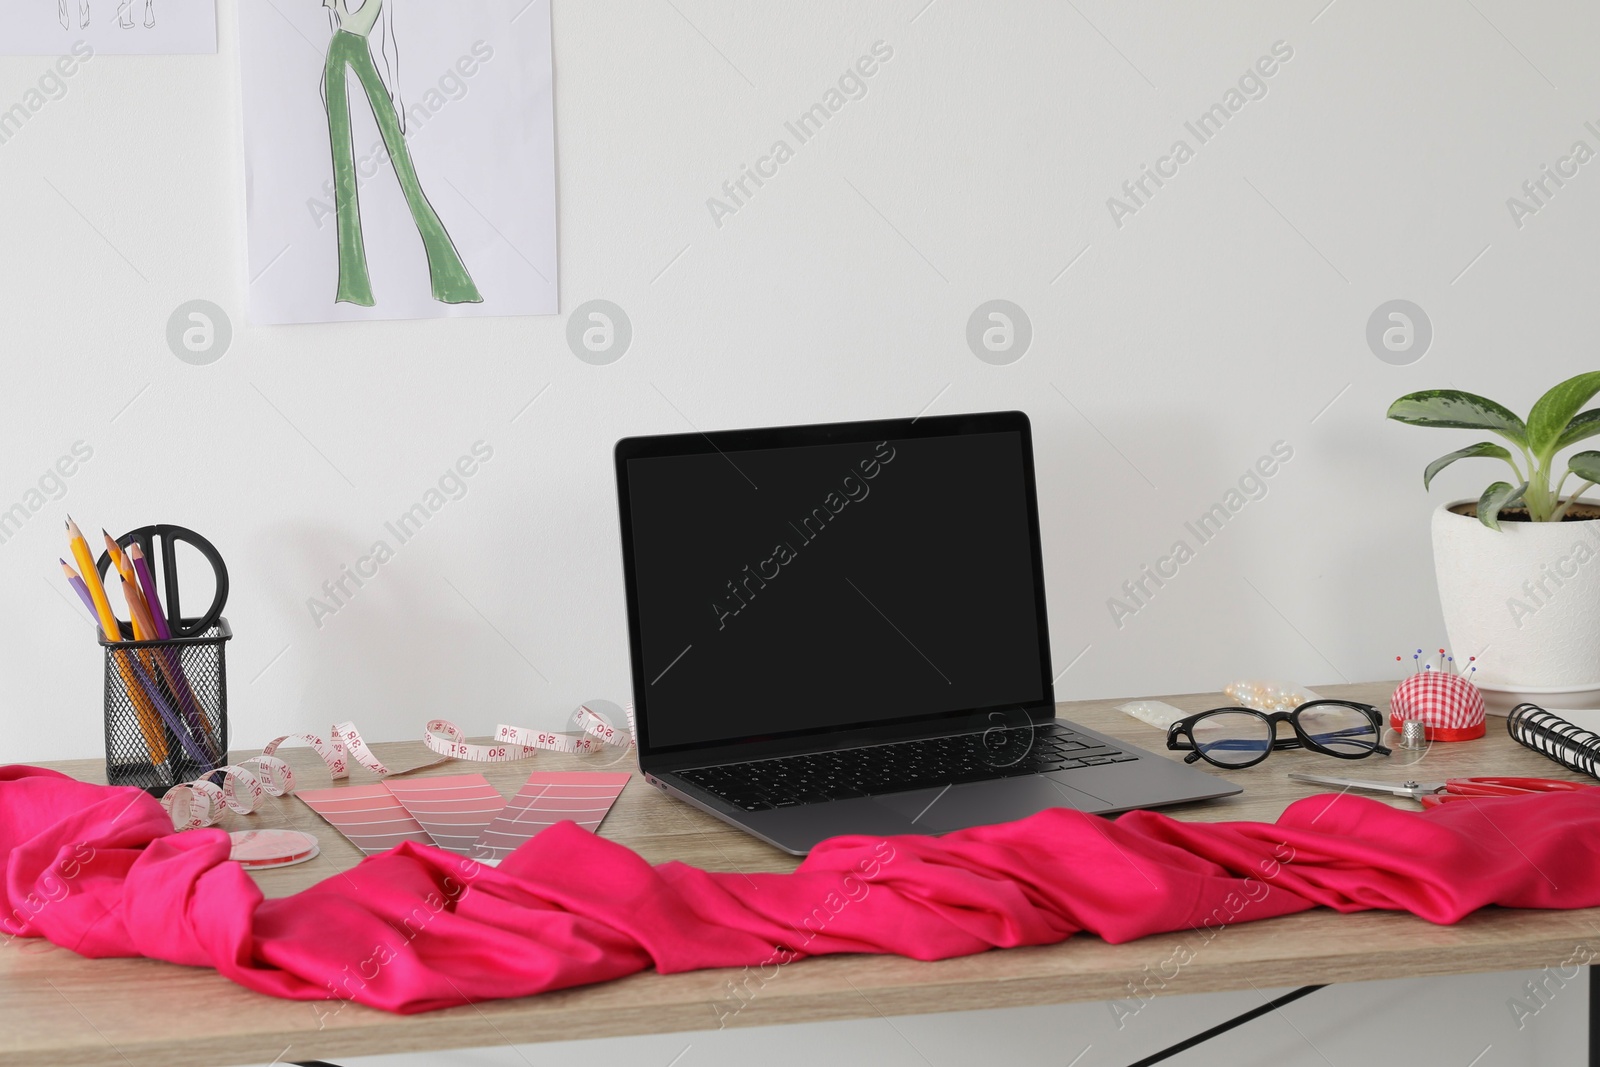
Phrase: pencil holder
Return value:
(166, 709)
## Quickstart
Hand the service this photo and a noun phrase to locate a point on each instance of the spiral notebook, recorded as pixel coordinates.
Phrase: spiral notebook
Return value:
(1552, 736)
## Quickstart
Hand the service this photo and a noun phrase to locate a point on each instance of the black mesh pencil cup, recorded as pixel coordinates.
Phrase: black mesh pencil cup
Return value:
(166, 709)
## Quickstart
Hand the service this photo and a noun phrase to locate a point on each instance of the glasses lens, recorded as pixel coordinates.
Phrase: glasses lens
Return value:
(1339, 728)
(1232, 738)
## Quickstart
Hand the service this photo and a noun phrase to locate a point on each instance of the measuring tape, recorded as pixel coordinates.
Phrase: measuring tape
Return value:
(240, 787)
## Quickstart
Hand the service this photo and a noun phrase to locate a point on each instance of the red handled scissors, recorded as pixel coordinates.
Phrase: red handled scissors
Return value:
(1432, 794)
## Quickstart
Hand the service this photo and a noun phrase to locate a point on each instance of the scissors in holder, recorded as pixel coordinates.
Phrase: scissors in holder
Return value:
(1432, 794)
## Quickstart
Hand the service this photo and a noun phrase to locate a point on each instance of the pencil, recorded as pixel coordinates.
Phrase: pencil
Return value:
(174, 659)
(125, 568)
(147, 585)
(138, 616)
(149, 721)
(78, 586)
(162, 659)
(195, 747)
(91, 579)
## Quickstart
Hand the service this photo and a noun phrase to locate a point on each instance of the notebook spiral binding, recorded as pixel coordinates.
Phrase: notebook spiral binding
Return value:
(1552, 736)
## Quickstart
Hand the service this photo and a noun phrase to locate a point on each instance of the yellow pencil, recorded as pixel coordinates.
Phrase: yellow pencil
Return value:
(124, 565)
(173, 659)
(144, 629)
(149, 721)
(91, 578)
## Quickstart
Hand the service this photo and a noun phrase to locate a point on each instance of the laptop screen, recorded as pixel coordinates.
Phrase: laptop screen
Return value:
(780, 590)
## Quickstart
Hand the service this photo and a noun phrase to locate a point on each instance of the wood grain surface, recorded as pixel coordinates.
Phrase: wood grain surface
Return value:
(58, 1008)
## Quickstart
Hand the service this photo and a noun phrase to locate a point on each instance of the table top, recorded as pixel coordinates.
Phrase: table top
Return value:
(59, 1008)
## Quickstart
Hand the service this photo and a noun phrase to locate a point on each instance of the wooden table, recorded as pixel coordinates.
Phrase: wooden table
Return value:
(58, 1008)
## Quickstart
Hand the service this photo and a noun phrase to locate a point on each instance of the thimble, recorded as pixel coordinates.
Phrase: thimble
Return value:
(1413, 734)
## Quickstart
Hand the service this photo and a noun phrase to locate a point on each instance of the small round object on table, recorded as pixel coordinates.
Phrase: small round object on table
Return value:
(1413, 734)
(257, 850)
(1449, 706)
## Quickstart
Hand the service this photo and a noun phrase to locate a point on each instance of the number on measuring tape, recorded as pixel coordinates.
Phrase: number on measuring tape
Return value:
(239, 788)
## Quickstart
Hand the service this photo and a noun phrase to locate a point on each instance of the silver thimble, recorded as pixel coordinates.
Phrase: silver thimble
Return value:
(1413, 734)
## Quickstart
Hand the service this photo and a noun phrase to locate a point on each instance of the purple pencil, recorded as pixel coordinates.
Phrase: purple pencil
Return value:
(158, 617)
(82, 590)
(197, 749)
(147, 586)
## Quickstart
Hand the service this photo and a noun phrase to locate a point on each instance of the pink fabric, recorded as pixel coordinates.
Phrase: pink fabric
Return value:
(99, 870)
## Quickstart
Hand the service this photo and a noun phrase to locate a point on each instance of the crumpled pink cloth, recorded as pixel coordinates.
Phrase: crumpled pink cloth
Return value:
(99, 870)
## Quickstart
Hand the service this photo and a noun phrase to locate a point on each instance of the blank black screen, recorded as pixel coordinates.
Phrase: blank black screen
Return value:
(799, 588)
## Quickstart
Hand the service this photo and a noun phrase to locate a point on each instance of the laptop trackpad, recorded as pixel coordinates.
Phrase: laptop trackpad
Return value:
(937, 811)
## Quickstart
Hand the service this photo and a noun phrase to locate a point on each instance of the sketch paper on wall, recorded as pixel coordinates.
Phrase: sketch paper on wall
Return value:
(399, 159)
(110, 27)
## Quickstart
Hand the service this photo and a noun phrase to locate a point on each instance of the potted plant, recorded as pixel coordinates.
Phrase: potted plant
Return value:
(1519, 568)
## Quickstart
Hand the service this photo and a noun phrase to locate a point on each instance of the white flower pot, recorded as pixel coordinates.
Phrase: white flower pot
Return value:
(1525, 600)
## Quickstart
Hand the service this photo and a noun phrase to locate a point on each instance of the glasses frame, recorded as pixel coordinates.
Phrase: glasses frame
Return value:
(1180, 735)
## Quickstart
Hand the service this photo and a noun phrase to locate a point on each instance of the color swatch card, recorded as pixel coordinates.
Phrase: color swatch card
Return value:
(545, 799)
(453, 810)
(463, 813)
(369, 815)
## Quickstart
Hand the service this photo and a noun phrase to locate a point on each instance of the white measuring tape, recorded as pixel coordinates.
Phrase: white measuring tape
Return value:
(240, 787)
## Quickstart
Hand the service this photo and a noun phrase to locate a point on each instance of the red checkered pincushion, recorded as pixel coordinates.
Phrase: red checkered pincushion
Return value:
(1450, 706)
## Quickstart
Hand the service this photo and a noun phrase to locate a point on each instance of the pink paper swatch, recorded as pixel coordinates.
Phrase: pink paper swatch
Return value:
(453, 810)
(368, 815)
(545, 799)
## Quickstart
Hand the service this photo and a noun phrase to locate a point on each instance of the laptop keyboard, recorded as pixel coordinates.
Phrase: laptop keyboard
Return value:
(758, 785)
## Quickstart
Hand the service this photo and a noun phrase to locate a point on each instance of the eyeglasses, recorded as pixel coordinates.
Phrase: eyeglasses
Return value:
(1243, 737)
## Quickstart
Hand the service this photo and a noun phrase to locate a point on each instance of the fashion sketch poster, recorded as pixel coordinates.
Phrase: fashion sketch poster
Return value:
(107, 27)
(400, 159)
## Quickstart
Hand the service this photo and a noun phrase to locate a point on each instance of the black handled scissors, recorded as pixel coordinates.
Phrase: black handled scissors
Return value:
(168, 537)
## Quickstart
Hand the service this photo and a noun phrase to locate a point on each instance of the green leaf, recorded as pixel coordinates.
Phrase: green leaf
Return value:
(1585, 465)
(1548, 420)
(1482, 448)
(1453, 408)
(1582, 426)
(1497, 496)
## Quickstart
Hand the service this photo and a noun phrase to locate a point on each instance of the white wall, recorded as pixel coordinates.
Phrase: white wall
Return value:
(978, 165)
(1224, 316)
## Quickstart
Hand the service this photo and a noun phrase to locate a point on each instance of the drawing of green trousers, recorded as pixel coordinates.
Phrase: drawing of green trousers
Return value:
(451, 282)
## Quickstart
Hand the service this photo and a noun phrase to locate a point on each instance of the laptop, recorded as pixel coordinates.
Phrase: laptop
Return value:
(841, 629)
